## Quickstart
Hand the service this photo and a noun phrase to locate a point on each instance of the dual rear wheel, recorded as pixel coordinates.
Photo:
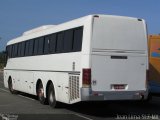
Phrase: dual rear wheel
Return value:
(40, 93)
(50, 97)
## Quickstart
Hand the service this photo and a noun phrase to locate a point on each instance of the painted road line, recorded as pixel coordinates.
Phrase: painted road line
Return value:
(4, 90)
(83, 116)
(18, 95)
(26, 97)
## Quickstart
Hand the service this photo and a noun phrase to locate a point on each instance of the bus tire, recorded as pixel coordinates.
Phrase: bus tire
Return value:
(51, 96)
(149, 98)
(40, 93)
(10, 86)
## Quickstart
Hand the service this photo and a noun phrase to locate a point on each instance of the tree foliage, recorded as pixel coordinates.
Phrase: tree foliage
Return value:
(2, 59)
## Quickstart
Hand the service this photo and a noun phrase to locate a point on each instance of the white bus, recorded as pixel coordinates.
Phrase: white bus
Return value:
(93, 58)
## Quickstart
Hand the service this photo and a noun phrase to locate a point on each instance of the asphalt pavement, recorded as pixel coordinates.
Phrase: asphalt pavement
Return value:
(26, 107)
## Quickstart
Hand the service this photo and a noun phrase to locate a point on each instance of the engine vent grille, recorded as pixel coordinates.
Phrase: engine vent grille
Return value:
(74, 87)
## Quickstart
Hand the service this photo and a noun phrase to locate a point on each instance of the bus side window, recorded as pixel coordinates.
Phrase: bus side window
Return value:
(52, 43)
(19, 50)
(40, 45)
(16, 50)
(7, 52)
(77, 43)
(13, 47)
(31, 45)
(59, 45)
(68, 40)
(35, 47)
(22, 49)
(27, 48)
(10, 51)
(46, 44)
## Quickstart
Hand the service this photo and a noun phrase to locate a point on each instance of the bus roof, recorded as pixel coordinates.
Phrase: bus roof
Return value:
(49, 29)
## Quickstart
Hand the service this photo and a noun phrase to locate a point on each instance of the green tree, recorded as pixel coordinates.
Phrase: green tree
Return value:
(2, 59)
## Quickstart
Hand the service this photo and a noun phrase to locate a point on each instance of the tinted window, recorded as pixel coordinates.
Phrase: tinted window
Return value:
(31, 45)
(10, 51)
(59, 45)
(64, 41)
(40, 46)
(12, 55)
(27, 48)
(22, 49)
(46, 44)
(52, 43)
(68, 40)
(15, 50)
(35, 47)
(77, 44)
(19, 49)
(7, 50)
(11, 47)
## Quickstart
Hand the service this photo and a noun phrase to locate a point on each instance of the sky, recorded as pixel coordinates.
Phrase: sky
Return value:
(18, 16)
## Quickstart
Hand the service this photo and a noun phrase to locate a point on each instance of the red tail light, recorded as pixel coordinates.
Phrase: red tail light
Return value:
(86, 77)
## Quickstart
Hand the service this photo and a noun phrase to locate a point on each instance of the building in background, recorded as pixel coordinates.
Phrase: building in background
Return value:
(154, 68)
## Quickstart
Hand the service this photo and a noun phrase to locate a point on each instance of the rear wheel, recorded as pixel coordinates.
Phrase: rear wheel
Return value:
(149, 98)
(40, 93)
(10, 86)
(51, 96)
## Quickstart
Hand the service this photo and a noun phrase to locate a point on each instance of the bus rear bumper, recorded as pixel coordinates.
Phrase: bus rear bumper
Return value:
(89, 95)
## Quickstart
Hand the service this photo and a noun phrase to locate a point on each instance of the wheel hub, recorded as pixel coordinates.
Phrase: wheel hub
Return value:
(41, 92)
(51, 98)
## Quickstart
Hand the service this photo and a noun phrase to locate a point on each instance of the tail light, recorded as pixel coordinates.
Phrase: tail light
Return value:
(86, 77)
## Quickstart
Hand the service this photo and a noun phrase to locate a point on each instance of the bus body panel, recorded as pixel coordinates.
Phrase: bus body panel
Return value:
(26, 71)
(107, 72)
(119, 33)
